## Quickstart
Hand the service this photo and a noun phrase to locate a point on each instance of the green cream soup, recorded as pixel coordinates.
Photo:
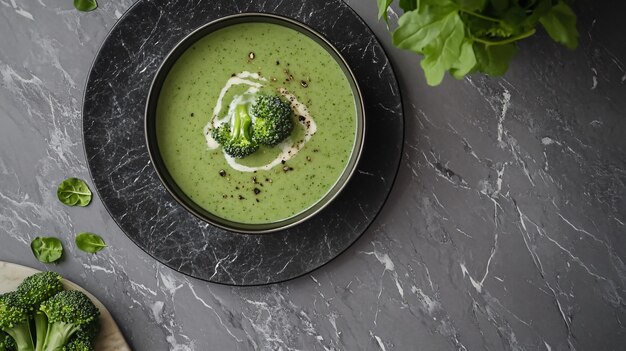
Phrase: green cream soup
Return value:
(239, 61)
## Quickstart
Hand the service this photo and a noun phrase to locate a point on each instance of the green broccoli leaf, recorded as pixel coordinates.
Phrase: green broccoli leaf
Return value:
(560, 23)
(494, 59)
(47, 249)
(89, 242)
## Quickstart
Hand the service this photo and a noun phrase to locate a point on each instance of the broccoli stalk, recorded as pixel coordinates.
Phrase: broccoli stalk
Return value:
(236, 136)
(58, 335)
(14, 320)
(242, 123)
(41, 329)
(68, 312)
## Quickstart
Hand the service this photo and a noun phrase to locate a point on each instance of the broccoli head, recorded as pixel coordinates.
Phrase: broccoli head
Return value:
(32, 292)
(273, 121)
(6, 342)
(14, 320)
(79, 344)
(68, 313)
(85, 338)
(236, 136)
(38, 288)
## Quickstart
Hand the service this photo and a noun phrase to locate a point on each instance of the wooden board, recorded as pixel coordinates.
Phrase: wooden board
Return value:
(110, 337)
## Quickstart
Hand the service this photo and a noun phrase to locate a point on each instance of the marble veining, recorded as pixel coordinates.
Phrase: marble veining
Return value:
(504, 229)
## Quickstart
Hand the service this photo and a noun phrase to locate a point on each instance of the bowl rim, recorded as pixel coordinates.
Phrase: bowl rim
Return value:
(163, 173)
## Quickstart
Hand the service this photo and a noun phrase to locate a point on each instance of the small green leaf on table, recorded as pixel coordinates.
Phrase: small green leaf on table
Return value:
(85, 5)
(89, 242)
(47, 249)
(74, 192)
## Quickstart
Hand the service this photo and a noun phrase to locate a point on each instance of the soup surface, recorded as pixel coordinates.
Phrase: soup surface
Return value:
(234, 63)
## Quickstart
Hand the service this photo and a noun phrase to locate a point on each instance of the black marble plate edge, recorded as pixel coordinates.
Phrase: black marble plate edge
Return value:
(371, 221)
(82, 132)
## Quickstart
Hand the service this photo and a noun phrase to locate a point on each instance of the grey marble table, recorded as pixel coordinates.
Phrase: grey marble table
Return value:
(506, 229)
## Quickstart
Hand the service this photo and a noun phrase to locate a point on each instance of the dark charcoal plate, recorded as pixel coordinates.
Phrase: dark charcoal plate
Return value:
(113, 128)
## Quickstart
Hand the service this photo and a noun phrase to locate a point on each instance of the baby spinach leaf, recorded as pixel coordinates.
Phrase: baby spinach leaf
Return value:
(74, 192)
(417, 29)
(494, 59)
(437, 32)
(47, 249)
(471, 5)
(499, 5)
(444, 52)
(90, 242)
(560, 23)
(383, 6)
(513, 18)
(540, 9)
(466, 61)
(466, 36)
(481, 27)
(408, 5)
(85, 5)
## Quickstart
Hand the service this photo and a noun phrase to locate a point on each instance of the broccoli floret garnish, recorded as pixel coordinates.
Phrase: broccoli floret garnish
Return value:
(273, 122)
(236, 137)
(14, 320)
(68, 312)
(242, 136)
